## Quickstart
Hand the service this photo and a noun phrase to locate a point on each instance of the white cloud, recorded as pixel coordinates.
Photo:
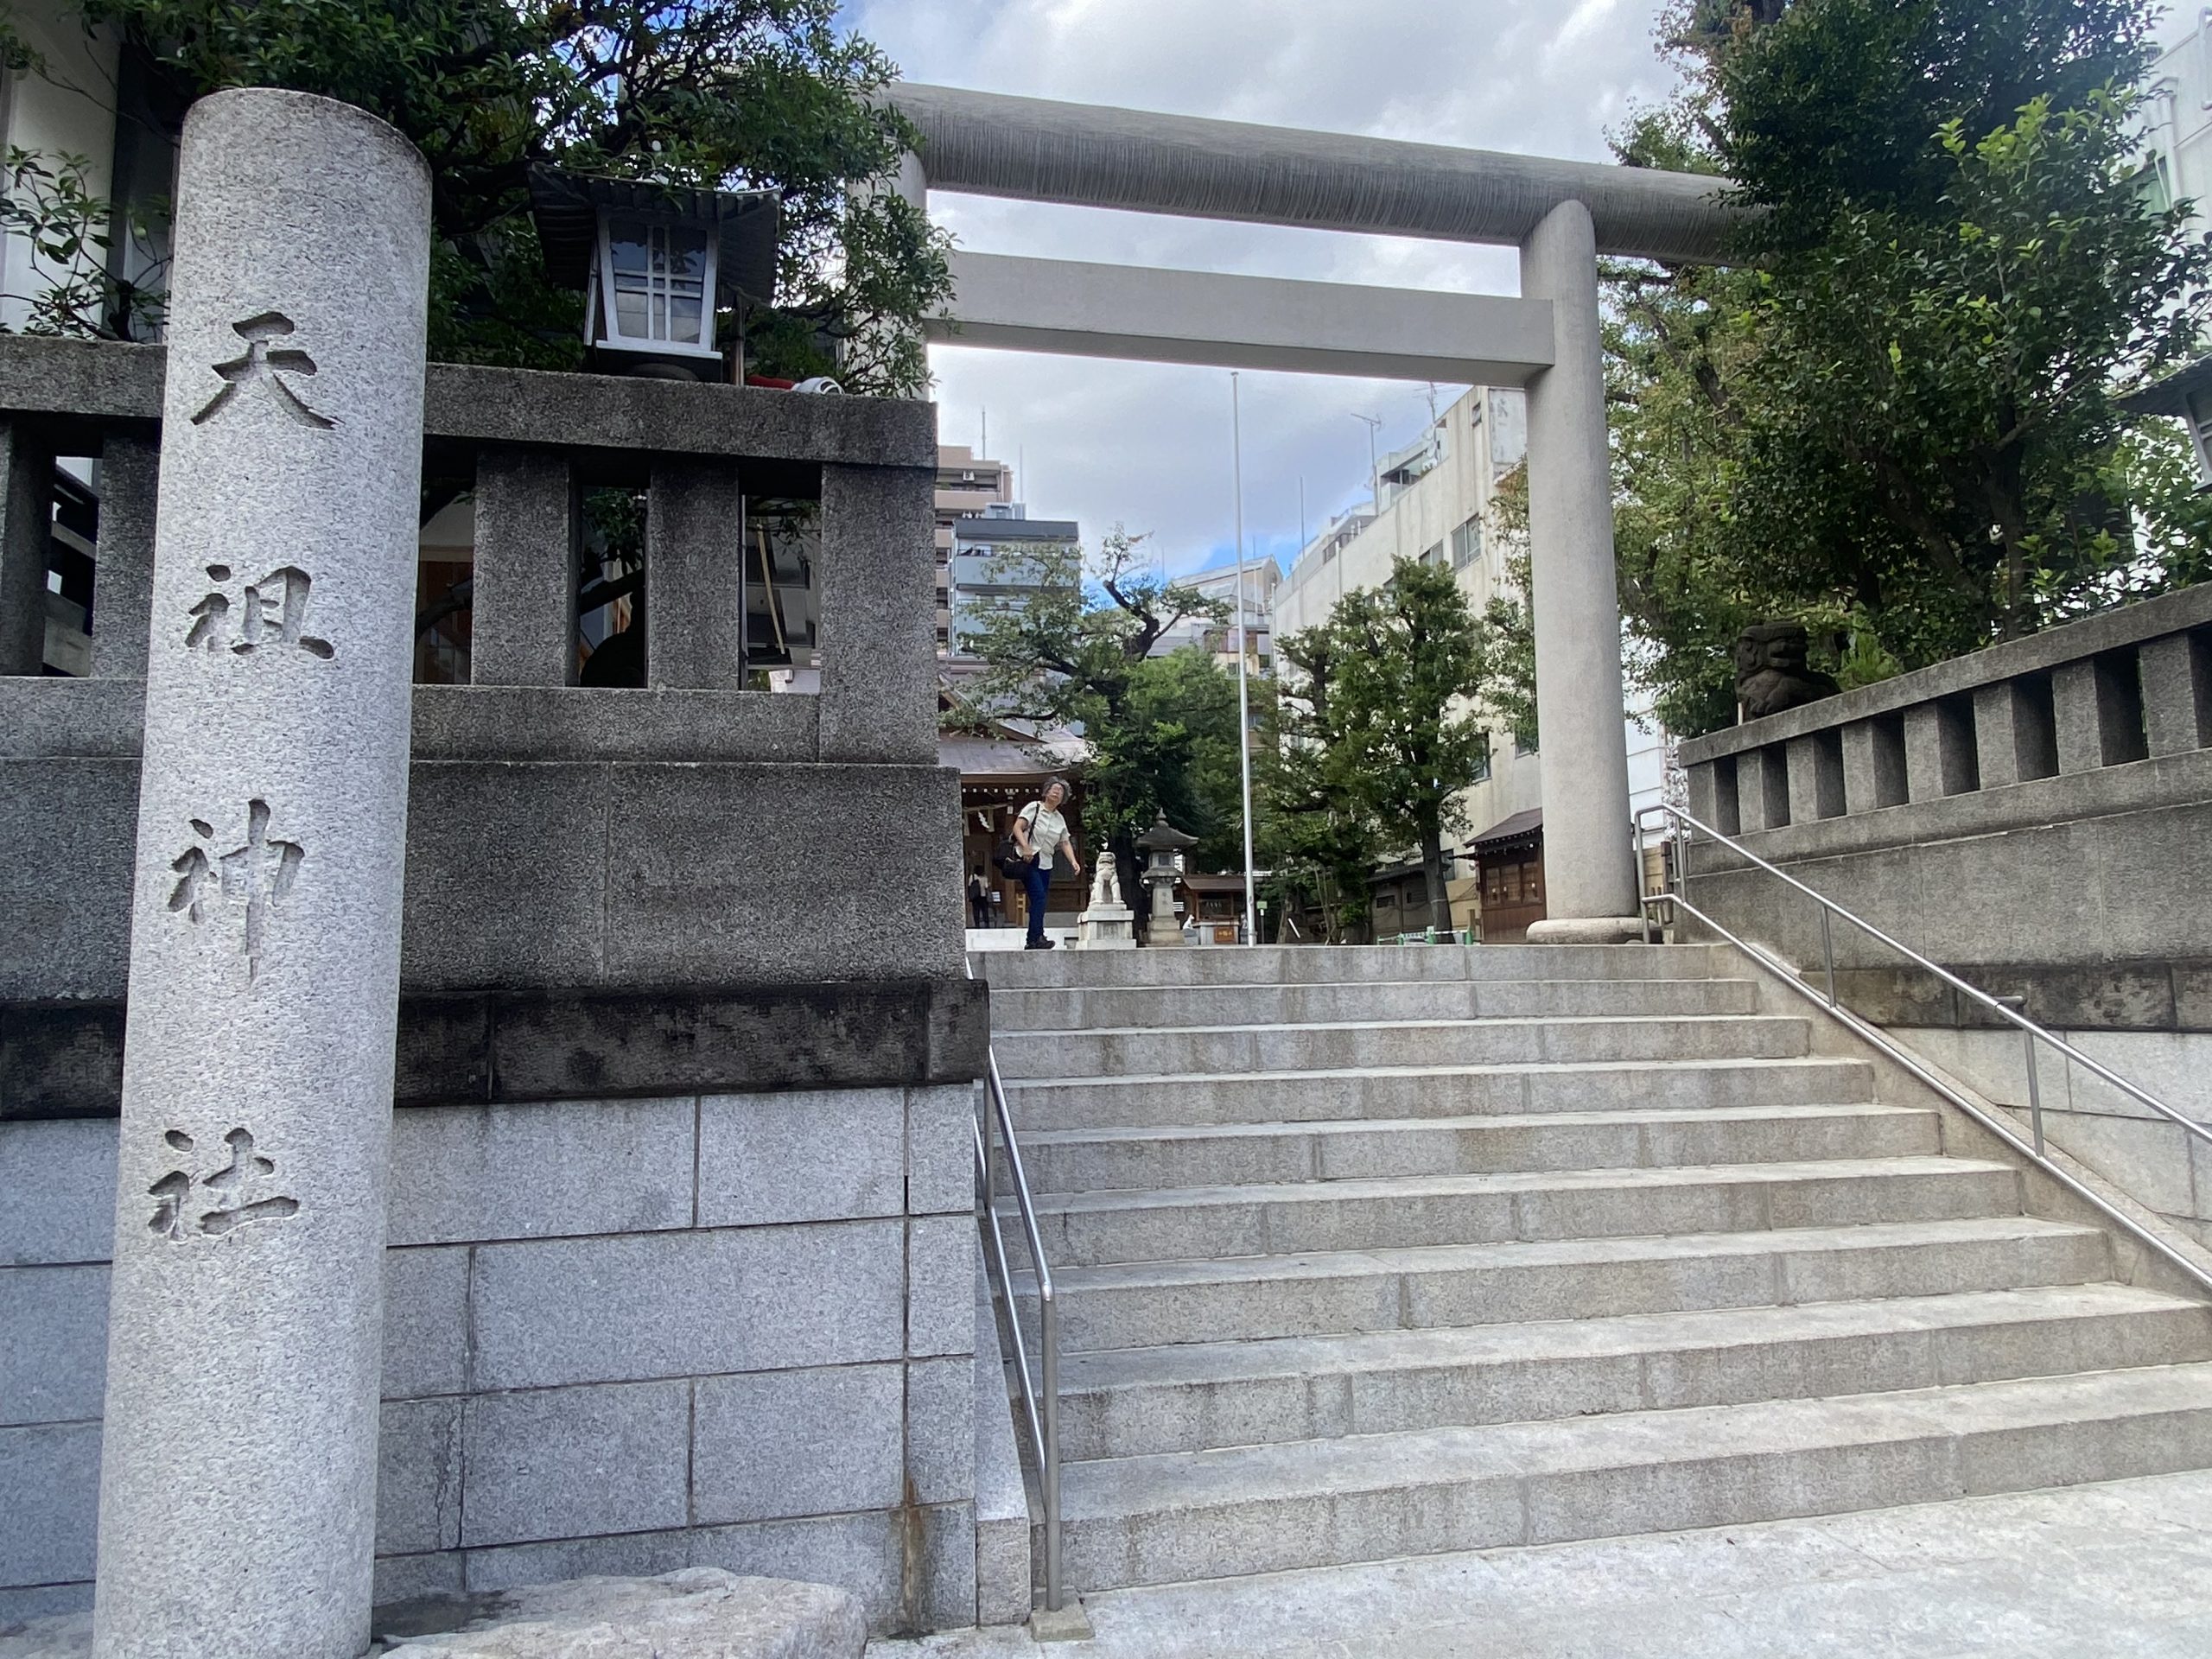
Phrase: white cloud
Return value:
(1148, 445)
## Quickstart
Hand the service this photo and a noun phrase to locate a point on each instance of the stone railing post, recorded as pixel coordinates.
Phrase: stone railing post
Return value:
(2013, 739)
(694, 575)
(523, 629)
(123, 574)
(26, 517)
(1762, 789)
(1816, 766)
(877, 640)
(2099, 714)
(1873, 766)
(1708, 802)
(1939, 756)
(238, 1480)
(2178, 693)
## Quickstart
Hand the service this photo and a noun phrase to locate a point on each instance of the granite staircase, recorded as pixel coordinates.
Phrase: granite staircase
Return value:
(1368, 1253)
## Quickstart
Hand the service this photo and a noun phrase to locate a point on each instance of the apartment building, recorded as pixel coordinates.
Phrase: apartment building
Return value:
(2179, 168)
(967, 484)
(1433, 502)
(1262, 579)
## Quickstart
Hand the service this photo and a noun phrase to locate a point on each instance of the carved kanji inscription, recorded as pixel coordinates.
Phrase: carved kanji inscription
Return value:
(264, 370)
(271, 614)
(241, 887)
(188, 1204)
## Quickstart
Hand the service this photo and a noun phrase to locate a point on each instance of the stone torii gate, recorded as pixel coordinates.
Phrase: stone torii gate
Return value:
(1562, 216)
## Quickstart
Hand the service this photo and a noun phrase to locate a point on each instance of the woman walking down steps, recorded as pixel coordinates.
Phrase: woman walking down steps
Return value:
(1042, 834)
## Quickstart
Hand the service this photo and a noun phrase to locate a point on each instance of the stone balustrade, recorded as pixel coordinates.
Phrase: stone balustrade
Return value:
(2131, 685)
(561, 835)
(2037, 818)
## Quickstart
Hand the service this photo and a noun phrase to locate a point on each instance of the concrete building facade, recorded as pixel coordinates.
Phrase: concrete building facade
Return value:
(2180, 121)
(967, 484)
(1001, 558)
(1262, 580)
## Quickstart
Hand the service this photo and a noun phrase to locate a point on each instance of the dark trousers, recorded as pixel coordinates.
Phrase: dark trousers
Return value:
(979, 911)
(1036, 882)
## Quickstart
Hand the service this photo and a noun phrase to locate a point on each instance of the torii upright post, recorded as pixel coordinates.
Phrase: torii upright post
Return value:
(238, 1476)
(1590, 875)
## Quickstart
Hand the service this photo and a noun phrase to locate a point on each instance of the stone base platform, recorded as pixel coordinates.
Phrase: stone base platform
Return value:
(1588, 930)
(698, 1613)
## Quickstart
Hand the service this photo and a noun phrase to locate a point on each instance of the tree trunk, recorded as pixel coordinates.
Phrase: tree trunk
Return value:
(1432, 869)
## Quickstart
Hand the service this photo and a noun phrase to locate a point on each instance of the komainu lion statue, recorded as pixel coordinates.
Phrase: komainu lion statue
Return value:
(1105, 885)
(1771, 674)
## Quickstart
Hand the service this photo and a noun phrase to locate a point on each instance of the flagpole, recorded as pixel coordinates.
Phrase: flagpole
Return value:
(1244, 650)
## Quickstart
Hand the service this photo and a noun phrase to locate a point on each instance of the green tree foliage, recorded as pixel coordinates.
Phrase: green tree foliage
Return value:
(1894, 419)
(1390, 732)
(1317, 836)
(1076, 651)
(755, 94)
(69, 229)
(1507, 622)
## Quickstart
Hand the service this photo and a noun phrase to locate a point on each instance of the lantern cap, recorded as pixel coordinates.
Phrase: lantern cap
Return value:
(747, 224)
(1165, 837)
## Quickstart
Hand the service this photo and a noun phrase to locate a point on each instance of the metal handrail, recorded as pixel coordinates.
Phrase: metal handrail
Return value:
(2030, 1032)
(2033, 1033)
(1040, 1400)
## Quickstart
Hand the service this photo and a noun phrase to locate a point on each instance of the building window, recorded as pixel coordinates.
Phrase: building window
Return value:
(1434, 555)
(1467, 544)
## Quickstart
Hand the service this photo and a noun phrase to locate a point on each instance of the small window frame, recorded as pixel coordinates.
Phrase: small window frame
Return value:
(606, 317)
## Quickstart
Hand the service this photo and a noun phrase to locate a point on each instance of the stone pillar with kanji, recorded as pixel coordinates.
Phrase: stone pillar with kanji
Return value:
(237, 1481)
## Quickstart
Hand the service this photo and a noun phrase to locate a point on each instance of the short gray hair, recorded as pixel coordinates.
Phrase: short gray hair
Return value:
(1052, 784)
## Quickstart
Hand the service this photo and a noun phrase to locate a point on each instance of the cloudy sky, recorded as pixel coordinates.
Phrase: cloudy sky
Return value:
(1148, 445)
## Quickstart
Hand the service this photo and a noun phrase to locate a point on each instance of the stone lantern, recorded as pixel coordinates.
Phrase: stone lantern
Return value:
(656, 261)
(1160, 844)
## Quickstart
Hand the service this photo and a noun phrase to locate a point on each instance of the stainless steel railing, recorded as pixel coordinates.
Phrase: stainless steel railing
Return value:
(1040, 1395)
(1681, 827)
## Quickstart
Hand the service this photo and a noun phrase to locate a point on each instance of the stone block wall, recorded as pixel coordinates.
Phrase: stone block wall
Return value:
(622, 1335)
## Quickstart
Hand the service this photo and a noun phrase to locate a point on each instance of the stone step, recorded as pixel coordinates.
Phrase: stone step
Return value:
(1395, 1212)
(1151, 1305)
(1089, 1160)
(1263, 1509)
(1172, 1005)
(1338, 1045)
(1348, 964)
(1410, 1091)
(1138, 1402)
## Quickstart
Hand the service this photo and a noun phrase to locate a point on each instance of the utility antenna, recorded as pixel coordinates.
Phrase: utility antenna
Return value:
(1374, 468)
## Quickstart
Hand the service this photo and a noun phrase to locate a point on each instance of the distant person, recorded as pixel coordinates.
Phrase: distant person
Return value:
(1042, 834)
(979, 898)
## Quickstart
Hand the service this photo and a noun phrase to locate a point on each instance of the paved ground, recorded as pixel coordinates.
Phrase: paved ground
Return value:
(2119, 1569)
